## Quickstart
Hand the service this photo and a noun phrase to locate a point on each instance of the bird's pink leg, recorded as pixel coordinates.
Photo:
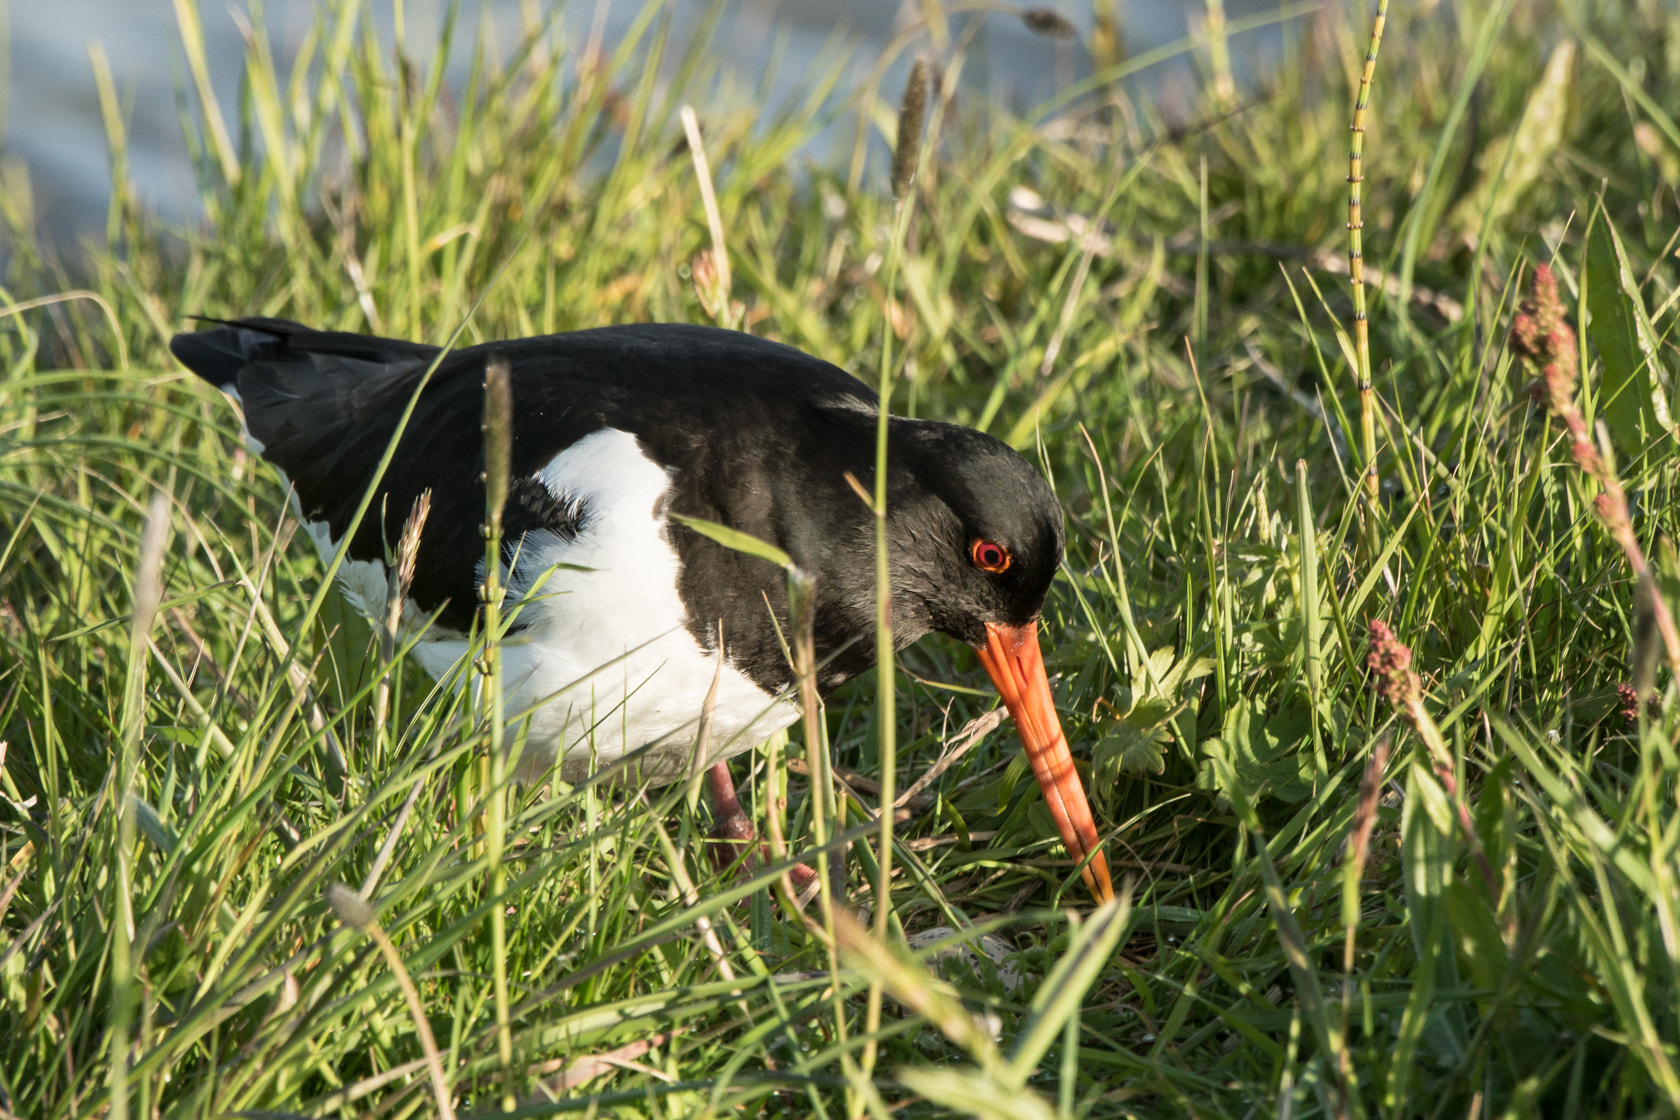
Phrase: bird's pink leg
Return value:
(732, 832)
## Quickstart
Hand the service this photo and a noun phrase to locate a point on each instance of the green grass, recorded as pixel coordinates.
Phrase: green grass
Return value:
(182, 793)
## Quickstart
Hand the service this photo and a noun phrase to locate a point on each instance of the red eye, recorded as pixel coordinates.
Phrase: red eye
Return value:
(989, 556)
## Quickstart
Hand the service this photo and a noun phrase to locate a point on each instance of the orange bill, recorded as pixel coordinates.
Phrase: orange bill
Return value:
(1012, 658)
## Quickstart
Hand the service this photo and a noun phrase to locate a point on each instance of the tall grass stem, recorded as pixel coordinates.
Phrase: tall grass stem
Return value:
(1356, 259)
(148, 593)
(498, 455)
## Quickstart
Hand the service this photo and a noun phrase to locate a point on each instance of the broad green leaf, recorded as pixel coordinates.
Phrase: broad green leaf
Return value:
(1479, 943)
(1433, 799)
(1512, 163)
(1428, 851)
(1130, 750)
(1634, 393)
(1270, 755)
(152, 825)
(1157, 684)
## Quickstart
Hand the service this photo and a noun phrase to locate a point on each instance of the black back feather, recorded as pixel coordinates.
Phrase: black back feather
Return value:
(753, 434)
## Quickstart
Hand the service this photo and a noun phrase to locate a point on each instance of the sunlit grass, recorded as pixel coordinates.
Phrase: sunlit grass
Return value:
(1158, 312)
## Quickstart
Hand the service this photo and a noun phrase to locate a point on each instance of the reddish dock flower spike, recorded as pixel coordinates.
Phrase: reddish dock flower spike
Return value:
(1391, 660)
(1542, 334)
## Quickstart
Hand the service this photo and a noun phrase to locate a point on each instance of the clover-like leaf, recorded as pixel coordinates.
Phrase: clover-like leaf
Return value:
(1270, 756)
(1130, 750)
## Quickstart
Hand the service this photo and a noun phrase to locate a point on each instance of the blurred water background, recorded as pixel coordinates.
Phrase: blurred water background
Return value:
(53, 136)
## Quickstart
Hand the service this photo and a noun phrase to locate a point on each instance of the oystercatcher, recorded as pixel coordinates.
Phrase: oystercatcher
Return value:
(615, 430)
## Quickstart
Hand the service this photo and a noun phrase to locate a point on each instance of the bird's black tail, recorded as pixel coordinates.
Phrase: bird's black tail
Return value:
(221, 353)
(218, 354)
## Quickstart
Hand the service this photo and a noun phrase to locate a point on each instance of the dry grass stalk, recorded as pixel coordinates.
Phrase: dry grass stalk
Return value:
(581, 1071)
(713, 282)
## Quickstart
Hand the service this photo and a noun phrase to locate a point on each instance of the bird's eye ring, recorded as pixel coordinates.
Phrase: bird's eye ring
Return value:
(989, 556)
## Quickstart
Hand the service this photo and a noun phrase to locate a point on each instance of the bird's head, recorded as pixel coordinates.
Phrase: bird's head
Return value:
(977, 533)
(976, 541)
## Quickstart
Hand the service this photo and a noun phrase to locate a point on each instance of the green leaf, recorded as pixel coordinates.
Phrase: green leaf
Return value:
(1477, 928)
(1634, 396)
(1433, 799)
(1297, 953)
(1157, 687)
(1665, 569)
(1269, 756)
(1019, 767)
(1512, 163)
(1591, 830)
(737, 540)
(1130, 751)
(1428, 849)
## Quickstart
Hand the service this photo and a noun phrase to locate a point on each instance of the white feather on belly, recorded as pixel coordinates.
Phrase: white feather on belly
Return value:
(604, 658)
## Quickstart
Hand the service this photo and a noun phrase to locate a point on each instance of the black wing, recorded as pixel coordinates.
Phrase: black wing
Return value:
(325, 405)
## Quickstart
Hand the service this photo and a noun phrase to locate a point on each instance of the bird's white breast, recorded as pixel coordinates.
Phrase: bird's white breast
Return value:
(605, 657)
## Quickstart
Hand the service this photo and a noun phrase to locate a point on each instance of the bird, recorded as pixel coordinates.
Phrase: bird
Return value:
(624, 439)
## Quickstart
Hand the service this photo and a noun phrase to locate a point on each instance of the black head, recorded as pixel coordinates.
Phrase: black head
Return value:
(975, 532)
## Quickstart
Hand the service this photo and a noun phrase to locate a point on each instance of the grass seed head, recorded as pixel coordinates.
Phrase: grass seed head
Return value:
(912, 114)
(408, 545)
(1048, 22)
(498, 440)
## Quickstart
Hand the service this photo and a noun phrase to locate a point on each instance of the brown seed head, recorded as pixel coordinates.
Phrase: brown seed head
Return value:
(1525, 334)
(1049, 22)
(912, 114)
(1613, 510)
(1587, 457)
(1557, 385)
(1548, 308)
(1628, 705)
